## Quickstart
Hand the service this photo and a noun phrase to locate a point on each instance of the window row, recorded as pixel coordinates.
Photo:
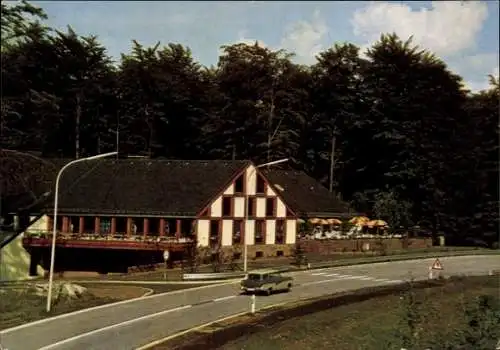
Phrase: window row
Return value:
(239, 185)
(238, 229)
(123, 225)
(270, 207)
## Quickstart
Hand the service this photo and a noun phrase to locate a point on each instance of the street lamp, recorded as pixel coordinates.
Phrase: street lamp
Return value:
(54, 226)
(245, 246)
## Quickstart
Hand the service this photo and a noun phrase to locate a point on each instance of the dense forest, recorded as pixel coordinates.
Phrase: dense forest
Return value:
(394, 131)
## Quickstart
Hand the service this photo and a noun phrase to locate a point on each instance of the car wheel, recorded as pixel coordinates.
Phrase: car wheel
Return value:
(269, 291)
(289, 287)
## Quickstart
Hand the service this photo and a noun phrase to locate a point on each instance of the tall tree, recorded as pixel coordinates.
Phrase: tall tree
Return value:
(260, 89)
(335, 96)
(162, 101)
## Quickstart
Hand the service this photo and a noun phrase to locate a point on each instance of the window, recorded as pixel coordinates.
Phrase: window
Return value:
(237, 231)
(288, 213)
(154, 226)
(74, 224)
(280, 232)
(226, 206)
(270, 206)
(105, 226)
(121, 225)
(88, 224)
(186, 227)
(238, 185)
(251, 207)
(260, 231)
(214, 232)
(261, 185)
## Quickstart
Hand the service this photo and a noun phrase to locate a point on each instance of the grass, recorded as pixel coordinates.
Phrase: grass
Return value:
(19, 306)
(430, 317)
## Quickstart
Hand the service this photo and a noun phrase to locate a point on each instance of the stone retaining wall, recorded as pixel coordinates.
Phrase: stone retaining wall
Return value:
(328, 247)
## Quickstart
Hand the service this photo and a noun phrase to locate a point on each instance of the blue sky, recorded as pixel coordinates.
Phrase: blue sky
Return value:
(464, 33)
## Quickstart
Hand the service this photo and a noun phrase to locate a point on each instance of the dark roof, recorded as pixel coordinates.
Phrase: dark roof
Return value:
(305, 195)
(25, 181)
(144, 186)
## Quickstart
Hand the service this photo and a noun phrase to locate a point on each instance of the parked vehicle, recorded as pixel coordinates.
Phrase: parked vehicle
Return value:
(266, 281)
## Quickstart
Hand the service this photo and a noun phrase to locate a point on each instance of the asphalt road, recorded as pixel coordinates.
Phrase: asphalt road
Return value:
(133, 324)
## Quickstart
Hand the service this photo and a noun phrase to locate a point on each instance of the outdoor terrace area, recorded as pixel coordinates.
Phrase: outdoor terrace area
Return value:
(114, 233)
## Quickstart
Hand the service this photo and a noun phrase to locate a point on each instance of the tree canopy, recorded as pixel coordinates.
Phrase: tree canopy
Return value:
(395, 132)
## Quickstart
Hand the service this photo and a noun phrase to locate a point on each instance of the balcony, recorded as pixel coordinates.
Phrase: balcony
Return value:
(43, 239)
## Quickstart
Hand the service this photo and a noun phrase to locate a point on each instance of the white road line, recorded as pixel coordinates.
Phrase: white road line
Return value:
(366, 278)
(116, 325)
(225, 298)
(110, 305)
(381, 280)
(332, 274)
(322, 281)
(394, 281)
(318, 274)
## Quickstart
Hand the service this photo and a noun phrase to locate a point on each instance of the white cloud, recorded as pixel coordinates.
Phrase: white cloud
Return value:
(446, 28)
(244, 40)
(305, 39)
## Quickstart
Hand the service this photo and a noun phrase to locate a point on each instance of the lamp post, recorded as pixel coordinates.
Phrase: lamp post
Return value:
(245, 246)
(54, 228)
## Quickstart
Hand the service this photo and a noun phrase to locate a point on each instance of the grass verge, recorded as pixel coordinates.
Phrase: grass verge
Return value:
(23, 305)
(433, 314)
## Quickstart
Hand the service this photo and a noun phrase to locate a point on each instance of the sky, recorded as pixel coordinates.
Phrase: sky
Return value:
(465, 34)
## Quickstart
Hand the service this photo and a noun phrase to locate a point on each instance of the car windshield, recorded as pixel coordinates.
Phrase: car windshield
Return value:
(254, 277)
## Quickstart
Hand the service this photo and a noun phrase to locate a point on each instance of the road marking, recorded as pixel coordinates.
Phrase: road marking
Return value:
(333, 274)
(225, 298)
(45, 320)
(366, 278)
(381, 280)
(322, 281)
(319, 274)
(148, 293)
(169, 337)
(116, 325)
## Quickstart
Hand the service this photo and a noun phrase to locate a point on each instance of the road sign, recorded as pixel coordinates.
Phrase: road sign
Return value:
(166, 255)
(437, 265)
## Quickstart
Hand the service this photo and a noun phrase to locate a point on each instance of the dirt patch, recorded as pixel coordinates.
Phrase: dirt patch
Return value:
(365, 319)
(116, 292)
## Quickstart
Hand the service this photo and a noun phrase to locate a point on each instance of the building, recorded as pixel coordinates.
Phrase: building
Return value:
(117, 213)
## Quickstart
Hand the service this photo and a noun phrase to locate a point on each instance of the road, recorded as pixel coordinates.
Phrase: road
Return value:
(129, 325)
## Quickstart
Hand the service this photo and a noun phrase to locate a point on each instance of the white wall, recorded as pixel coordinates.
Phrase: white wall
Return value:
(227, 232)
(239, 207)
(202, 232)
(280, 208)
(15, 260)
(260, 210)
(291, 231)
(250, 232)
(270, 192)
(251, 176)
(270, 231)
(216, 208)
(229, 190)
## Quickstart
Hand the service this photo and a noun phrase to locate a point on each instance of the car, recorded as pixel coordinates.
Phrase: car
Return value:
(266, 281)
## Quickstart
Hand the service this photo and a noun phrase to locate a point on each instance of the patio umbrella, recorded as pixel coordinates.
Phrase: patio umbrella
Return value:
(359, 220)
(377, 223)
(315, 221)
(334, 222)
